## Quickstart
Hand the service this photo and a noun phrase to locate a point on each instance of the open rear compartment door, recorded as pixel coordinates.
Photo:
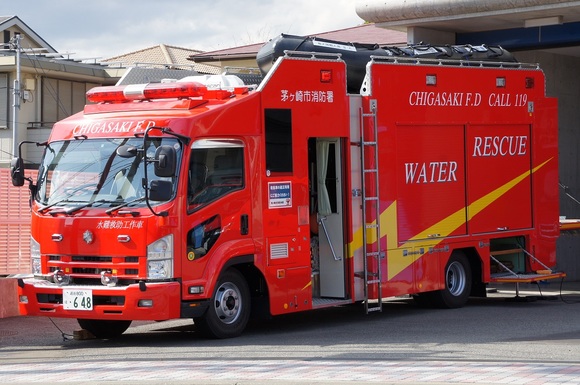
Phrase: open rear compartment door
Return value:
(511, 263)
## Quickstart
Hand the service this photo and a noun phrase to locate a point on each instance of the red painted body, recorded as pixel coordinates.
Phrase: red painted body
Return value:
(463, 165)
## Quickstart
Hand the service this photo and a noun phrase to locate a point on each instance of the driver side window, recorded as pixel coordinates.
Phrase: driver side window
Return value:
(215, 169)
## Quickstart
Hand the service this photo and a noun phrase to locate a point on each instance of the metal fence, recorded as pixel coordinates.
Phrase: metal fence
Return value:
(14, 225)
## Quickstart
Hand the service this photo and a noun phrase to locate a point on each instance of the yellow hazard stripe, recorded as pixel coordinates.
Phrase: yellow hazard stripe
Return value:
(396, 262)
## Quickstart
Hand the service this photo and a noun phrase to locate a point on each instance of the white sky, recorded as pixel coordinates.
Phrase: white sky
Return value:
(107, 28)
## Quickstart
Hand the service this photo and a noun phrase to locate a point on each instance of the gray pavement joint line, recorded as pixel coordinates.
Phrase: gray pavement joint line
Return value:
(320, 371)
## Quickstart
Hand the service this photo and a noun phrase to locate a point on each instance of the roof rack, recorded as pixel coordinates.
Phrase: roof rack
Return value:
(313, 55)
(454, 62)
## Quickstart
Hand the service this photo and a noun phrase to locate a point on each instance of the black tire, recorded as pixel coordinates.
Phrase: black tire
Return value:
(229, 309)
(457, 283)
(104, 329)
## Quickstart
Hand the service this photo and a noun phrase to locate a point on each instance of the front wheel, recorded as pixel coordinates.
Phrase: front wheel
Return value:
(457, 283)
(104, 329)
(229, 310)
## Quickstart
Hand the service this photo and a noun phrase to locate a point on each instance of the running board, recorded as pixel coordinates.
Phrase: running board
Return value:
(510, 276)
(525, 278)
(318, 303)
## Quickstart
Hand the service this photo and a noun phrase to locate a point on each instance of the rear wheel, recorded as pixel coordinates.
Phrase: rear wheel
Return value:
(229, 309)
(104, 329)
(457, 283)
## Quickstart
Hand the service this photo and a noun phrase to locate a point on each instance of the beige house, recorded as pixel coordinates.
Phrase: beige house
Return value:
(53, 85)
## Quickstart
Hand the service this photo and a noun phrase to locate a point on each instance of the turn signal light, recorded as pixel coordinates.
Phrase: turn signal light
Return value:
(145, 303)
(196, 290)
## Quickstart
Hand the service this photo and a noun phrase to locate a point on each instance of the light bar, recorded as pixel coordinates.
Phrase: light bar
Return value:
(117, 94)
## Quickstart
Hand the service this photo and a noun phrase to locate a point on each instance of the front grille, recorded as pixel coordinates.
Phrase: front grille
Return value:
(77, 258)
(91, 266)
(85, 271)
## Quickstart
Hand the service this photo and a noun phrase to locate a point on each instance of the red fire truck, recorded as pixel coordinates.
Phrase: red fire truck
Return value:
(433, 174)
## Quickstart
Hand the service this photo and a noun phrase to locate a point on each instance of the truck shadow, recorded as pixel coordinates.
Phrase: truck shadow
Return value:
(483, 320)
(478, 322)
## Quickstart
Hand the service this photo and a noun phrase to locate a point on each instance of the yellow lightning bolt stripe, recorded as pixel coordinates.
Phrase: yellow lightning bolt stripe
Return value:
(396, 262)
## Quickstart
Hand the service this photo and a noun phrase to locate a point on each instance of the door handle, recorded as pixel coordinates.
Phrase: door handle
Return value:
(336, 257)
(244, 224)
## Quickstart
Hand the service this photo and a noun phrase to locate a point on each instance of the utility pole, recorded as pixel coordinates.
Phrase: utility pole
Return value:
(16, 94)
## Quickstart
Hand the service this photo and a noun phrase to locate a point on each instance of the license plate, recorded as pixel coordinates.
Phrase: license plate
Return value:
(77, 299)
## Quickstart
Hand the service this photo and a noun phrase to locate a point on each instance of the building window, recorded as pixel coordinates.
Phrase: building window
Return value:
(62, 98)
(4, 101)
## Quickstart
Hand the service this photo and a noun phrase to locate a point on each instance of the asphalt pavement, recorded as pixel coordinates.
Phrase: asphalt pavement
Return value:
(29, 363)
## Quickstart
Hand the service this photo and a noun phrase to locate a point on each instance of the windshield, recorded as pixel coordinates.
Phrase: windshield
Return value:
(85, 171)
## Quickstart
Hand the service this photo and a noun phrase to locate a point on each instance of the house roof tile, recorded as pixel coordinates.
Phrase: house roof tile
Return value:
(163, 55)
(366, 34)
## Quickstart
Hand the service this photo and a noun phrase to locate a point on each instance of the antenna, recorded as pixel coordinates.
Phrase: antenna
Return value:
(15, 45)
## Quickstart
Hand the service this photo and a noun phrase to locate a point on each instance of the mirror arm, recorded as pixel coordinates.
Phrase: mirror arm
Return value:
(145, 177)
(31, 186)
(183, 138)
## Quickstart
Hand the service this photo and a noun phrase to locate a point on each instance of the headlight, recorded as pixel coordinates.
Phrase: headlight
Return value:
(160, 258)
(35, 256)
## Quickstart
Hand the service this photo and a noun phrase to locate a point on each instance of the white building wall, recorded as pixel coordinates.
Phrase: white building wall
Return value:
(563, 81)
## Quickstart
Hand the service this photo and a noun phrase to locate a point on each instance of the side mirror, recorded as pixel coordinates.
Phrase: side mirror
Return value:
(165, 161)
(17, 172)
(160, 190)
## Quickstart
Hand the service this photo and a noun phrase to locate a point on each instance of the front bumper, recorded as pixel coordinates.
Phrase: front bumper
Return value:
(115, 303)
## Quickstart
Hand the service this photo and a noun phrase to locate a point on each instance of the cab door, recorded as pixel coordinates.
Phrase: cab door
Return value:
(330, 217)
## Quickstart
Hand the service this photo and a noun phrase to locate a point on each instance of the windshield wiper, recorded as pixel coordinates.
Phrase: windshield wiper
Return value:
(77, 208)
(88, 204)
(65, 200)
(125, 204)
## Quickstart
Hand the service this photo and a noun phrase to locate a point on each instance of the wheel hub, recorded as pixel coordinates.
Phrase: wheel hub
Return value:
(228, 304)
(456, 279)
